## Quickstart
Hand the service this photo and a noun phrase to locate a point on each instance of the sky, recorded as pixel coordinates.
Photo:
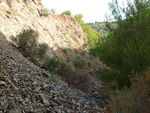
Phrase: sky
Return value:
(92, 10)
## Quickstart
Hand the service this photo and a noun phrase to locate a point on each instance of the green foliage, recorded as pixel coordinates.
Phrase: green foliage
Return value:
(42, 50)
(79, 61)
(73, 75)
(92, 36)
(91, 57)
(51, 64)
(54, 78)
(110, 75)
(78, 18)
(45, 12)
(101, 27)
(27, 41)
(126, 48)
(65, 49)
(90, 63)
(66, 13)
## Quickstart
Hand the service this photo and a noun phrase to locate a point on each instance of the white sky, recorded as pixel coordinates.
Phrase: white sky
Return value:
(92, 10)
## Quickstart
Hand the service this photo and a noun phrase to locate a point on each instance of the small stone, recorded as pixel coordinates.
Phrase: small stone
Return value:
(48, 110)
(32, 111)
(93, 107)
(5, 106)
(37, 89)
(27, 100)
(42, 105)
(35, 83)
(16, 80)
(65, 101)
(2, 83)
(87, 106)
(23, 89)
(44, 100)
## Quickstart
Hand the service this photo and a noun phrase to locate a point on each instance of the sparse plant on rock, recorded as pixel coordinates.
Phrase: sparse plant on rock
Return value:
(27, 42)
(65, 49)
(79, 61)
(45, 12)
(73, 75)
(66, 13)
(54, 78)
(42, 50)
(51, 64)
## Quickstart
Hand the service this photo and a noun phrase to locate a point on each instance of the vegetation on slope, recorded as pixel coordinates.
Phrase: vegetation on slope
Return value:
(101, 27)
(27, 42)
(92, 36)
(126, 48)
(126, 51)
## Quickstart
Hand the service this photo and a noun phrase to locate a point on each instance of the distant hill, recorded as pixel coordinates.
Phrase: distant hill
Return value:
(98, 27)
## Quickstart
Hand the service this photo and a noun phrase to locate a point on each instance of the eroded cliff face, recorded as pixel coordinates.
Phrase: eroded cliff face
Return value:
(57, 31)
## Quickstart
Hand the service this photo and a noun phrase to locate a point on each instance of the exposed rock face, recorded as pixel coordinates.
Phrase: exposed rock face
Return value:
(56, 30)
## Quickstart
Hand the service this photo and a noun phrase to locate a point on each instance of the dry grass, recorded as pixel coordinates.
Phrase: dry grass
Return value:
(134, 100)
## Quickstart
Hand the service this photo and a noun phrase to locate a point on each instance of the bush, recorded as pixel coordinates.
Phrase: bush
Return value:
(79, 61)
(73, 76)
(54, 78)
(134, 100)
(66, 71)
(27, 41)
(90, 63)
(45, 12)
(110, 75)
(42, 50)
(51, 64)
(66, 13)
(65, 49)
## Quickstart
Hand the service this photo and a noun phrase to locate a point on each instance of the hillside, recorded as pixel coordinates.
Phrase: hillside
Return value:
(57, 31)
(25, 87)
(98, 27)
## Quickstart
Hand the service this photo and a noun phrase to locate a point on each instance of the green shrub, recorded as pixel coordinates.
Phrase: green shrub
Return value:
(91, 57)
(65, 49)
(42, 50)
(90, 63)
(73, 76)
(81, 76)
(79, 61)
(54, 78)
(27, 41)
(51, 64)
(66, 13)
(45, 12)
(110, 75)
(66, 71)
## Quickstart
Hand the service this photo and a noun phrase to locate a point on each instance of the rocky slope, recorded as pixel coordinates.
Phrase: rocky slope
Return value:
(26, 88)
